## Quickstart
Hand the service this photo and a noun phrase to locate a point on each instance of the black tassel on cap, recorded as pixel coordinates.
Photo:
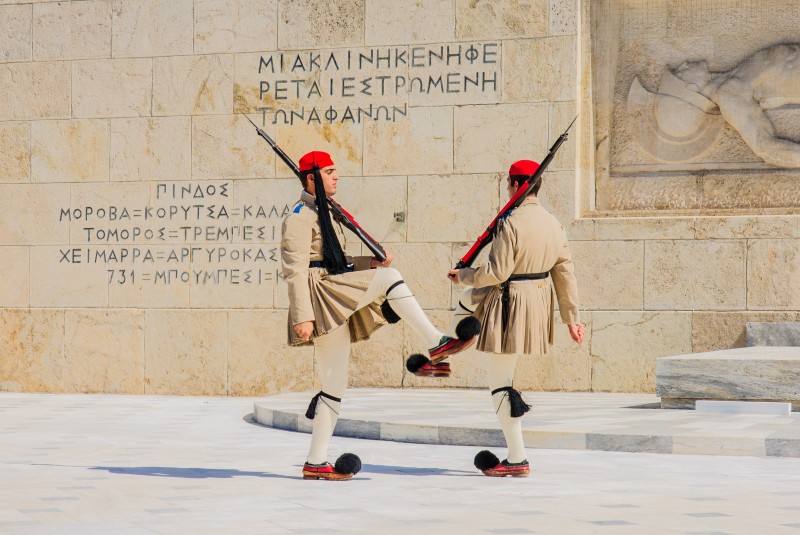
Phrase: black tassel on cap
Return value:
(332, 255)
(486, 460)
(347, 463)
(312, 407)
(517, 405)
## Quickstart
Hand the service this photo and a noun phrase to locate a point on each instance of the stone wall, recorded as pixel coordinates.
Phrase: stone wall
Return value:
(141, 212)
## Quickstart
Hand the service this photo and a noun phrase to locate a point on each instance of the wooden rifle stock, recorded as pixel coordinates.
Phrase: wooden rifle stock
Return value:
(523, 191)
(336, 209)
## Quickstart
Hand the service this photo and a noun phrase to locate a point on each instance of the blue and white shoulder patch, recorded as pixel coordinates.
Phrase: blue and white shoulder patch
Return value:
(298, 207)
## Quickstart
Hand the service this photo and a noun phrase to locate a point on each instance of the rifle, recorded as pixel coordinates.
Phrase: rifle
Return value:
(523, 191)
(339, 213)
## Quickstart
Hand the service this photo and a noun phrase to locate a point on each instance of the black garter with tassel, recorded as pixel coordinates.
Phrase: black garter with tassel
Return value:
(517, 405)
(333, 258)
(312, 407)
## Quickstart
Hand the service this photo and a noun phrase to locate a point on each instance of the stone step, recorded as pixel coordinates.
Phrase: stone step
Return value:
(773, 333)
(761, 373)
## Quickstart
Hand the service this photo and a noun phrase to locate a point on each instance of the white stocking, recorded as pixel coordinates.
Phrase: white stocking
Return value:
(403, 303)
(501, 373)
(332, 352)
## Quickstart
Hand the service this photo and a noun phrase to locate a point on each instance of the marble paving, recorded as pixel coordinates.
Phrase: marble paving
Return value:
(101, 464)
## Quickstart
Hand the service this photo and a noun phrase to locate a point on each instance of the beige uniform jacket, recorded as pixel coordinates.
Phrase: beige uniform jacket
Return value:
(530, 240)
(314, 295)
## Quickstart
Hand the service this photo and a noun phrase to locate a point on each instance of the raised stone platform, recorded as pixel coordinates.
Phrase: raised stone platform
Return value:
(743, 374)
(558, 420)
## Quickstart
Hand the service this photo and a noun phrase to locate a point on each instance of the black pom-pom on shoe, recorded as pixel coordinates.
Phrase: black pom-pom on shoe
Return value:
(485, 460)
(348, 463)
(416, 361)
(468, 327)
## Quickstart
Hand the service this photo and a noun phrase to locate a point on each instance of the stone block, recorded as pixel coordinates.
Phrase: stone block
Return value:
(566, 366)
(306, 24)
(379, 205)
(719, 227)
(70, 151)
(227, 146)
(193, 85)
(15, 33)
(562, 19)
(748, 373)
(152, 28)
(15, 266)
(259, 360)
(675, 278)
(55, 282)
(15, 158)
(424, 267)
(34, 91)
(38, 223)
(558, 196)
(32, 357)
(417, 434)
(537, 70)
(186, 352)
(157, 148)
(610, 274)
(388, 22)
(224, 26)
(488, 139)
(421, 143)
(104, 351)
(625, 345)
(644, 228)
(509, 19)
(773, 333)
(712, 331)
(773, 275)
(72, 30)
(451, 208)
(561, 114)
(112, 87)
(344, 142)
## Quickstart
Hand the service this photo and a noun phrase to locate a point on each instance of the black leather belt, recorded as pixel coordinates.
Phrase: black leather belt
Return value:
(506, 297)
(319, 264)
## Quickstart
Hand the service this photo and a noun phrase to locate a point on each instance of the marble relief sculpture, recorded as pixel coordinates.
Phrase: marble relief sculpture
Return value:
(687, 111)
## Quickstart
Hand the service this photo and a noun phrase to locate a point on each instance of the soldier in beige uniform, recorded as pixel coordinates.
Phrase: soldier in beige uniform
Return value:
(512, 296)
(335, 300)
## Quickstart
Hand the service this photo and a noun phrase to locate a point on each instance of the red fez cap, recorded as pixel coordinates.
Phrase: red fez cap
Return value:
(315, 157)
(523, 167)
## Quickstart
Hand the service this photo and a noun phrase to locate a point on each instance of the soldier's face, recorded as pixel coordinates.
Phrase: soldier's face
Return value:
(511, 187)
(329, 180)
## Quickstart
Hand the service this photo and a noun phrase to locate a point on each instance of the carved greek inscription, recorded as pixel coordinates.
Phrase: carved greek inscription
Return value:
(191, 234)
(373, 84)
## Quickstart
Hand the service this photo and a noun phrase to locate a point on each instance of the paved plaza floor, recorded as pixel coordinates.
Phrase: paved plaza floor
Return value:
(105, 464)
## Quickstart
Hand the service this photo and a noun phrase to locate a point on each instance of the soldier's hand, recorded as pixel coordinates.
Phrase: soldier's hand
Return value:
(453, 275)
(386, 263)
(304, 330)
(577, 331)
